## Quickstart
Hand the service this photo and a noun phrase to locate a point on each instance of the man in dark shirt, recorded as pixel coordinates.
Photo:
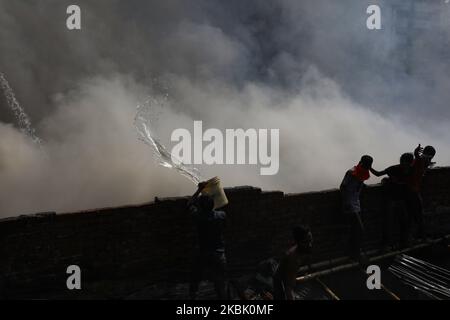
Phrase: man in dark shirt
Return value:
(422, 161)
(211, 255)
(409, 183)
(395, 187)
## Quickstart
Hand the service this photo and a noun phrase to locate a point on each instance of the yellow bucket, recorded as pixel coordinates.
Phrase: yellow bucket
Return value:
(214, 189)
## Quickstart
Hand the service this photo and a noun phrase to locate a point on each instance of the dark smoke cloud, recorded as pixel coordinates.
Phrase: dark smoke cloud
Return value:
(311, 68)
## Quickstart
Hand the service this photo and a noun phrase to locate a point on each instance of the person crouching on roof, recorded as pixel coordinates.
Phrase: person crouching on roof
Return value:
(350, 188)
(285, 277)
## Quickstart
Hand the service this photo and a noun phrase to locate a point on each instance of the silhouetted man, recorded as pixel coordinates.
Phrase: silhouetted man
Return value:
(350, 188)
(211, 256)
(422, 161)
(395, 187)
(285, 277)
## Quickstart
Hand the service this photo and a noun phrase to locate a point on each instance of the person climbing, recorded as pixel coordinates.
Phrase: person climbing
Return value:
(395, 192)
(422, 162)
(350, 188)
(285, 276)
(211, 254)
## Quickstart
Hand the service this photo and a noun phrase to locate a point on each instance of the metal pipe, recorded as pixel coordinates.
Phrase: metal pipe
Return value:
(419, 275)
(418, 281)
(432, 266)
(372, 259)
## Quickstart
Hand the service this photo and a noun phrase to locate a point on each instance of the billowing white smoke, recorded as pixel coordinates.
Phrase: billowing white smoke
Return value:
(95, 157)
(83, 89)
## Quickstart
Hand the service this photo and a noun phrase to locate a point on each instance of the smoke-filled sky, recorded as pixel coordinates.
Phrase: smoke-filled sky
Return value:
(311, 68)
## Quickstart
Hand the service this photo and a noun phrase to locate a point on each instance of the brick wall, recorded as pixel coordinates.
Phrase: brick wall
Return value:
(156, 241)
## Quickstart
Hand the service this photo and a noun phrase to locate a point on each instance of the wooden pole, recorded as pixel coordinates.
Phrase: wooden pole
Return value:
(327, 289)
(389, 292)
(393, 295)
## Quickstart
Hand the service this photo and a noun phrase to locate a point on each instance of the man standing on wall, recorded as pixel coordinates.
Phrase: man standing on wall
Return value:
(396, 190)
(350, 188)
(422, 161)
(211, 255)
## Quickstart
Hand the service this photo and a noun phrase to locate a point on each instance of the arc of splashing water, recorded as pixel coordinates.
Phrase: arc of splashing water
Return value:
(23, 121)
(163, 156)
